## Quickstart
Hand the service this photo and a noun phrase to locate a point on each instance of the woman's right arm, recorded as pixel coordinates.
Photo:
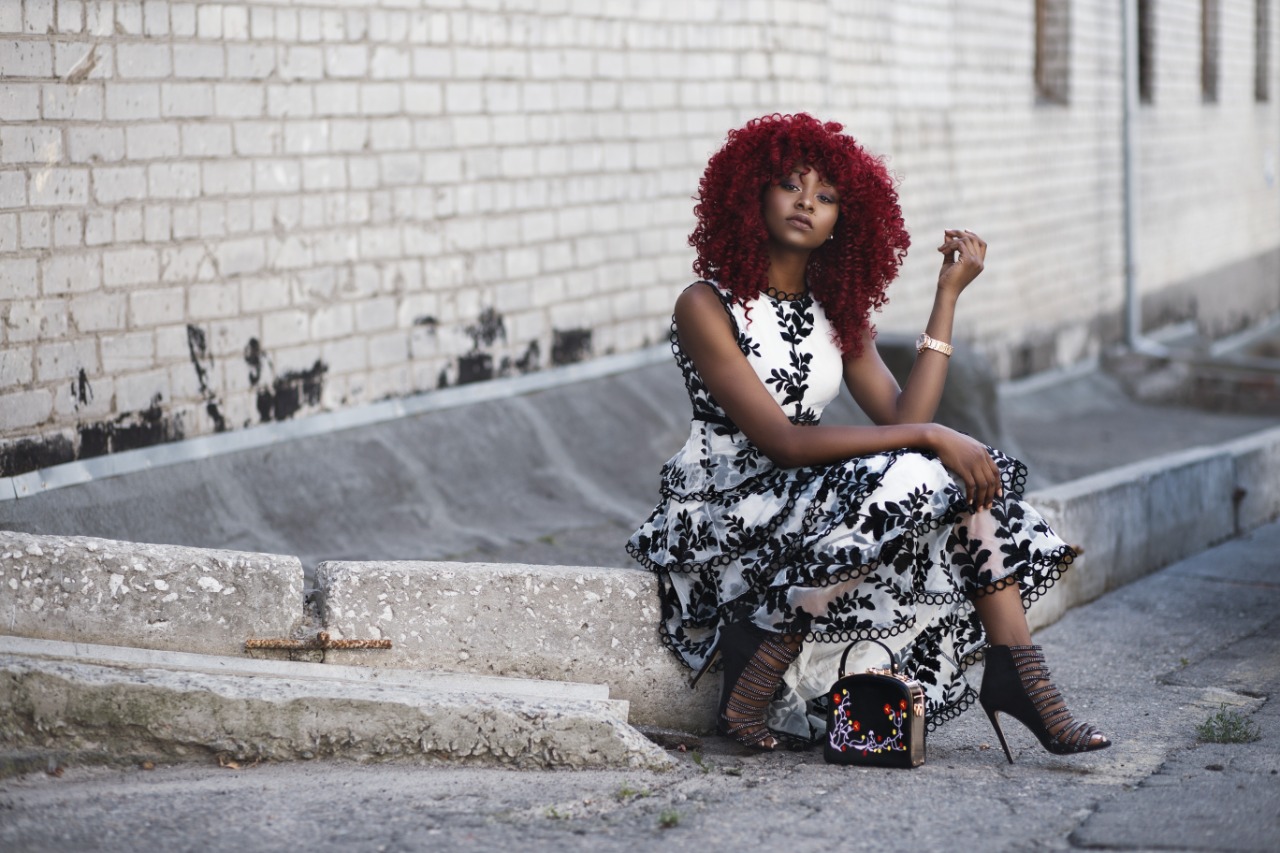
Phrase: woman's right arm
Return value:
(707, 337)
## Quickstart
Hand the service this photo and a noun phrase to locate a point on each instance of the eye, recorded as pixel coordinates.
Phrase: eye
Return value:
(827, 199)
(787, 185)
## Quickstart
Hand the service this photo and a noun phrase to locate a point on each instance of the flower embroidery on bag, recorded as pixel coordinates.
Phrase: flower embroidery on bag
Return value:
(846, 732)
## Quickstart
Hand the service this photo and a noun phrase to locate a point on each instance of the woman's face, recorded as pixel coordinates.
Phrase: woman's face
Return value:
(800, 210)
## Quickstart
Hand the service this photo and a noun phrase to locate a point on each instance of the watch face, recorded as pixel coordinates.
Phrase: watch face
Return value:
(920, 342)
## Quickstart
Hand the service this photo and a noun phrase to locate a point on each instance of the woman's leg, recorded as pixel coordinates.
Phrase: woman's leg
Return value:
(1005, 623)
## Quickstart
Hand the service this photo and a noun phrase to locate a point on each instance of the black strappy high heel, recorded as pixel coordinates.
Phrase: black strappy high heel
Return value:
(1009, 686)
(754, 663)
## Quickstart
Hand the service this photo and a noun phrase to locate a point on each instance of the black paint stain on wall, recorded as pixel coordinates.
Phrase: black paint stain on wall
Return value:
(29, 454)
(475, 367)
(202, 360)
(487, 329)
(290, 391)
(253, 356)
(81, 390)
(426, 320)
(570, 345)
(145, 428)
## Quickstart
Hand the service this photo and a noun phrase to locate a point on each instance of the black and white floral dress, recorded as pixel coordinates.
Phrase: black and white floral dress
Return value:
(880, 546)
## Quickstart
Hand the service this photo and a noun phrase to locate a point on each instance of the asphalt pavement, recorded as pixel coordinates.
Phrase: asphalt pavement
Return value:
(1148, 663)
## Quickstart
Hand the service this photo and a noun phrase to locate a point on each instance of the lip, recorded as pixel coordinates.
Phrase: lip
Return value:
(802, 221)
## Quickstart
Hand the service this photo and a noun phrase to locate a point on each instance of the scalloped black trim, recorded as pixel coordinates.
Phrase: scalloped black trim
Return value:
(1054, 565)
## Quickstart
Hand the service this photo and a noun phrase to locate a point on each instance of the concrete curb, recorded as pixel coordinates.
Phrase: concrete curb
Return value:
(83, 589)
(568, 623)
(285, 711)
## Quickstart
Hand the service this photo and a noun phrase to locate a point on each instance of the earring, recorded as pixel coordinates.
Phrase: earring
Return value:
(830, 237)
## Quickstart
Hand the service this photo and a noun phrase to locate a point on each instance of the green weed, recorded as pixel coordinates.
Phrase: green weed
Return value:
(1228, 726)
(669, 819)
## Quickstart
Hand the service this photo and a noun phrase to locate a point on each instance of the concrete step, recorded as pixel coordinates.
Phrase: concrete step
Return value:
(97, 702)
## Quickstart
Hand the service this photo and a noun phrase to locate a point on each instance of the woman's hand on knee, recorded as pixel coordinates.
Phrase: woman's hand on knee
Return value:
(970, 460)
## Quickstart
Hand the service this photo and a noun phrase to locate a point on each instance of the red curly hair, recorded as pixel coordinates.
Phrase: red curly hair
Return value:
(849, 274)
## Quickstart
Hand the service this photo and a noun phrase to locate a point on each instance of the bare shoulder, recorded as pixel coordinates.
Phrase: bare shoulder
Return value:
(700, 303)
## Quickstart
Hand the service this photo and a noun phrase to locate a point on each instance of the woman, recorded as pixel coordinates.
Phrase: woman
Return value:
(779, 541)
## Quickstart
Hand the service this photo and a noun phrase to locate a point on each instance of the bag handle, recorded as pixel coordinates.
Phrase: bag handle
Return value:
(893, 662)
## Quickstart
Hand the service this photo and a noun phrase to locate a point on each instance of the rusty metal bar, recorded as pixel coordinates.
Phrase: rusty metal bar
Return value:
(320, 642)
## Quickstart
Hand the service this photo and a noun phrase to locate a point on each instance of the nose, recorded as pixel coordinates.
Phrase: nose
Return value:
(805, 202)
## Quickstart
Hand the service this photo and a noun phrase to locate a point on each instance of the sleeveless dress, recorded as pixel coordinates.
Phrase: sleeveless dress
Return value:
(873, 547)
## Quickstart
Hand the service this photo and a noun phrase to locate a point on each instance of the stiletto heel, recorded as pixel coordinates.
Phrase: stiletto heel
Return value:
(1016, 682)
(754, 663)
(712, 657)
(995, 724)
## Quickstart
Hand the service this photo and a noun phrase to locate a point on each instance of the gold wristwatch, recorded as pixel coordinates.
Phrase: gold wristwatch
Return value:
(925, 342)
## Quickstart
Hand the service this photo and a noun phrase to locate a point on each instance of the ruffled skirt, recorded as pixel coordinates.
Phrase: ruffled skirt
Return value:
(875, 547)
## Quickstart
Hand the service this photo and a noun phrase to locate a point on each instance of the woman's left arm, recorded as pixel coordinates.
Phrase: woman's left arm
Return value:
(869, 380)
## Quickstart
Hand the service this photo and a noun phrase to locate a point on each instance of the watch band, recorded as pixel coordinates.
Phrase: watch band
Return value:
(925, 342)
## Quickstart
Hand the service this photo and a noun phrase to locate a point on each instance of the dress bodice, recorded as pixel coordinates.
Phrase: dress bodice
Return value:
(790, 346)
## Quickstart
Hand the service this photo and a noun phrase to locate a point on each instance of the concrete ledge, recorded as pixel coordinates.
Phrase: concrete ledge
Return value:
(1135, 519)
(127, 713)
(149, 596)
(547, 622)
(1257, 460)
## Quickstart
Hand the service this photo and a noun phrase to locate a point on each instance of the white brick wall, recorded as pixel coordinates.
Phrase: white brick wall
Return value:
(363, 182)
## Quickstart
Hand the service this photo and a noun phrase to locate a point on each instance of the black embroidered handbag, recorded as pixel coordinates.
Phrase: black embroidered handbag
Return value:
(876, 718)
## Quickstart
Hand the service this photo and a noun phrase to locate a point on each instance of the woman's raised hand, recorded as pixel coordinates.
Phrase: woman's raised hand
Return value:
(971, 462)
(957, 272)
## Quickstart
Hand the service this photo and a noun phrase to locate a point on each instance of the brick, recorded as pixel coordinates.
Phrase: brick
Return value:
(129, 224)
(346, 60)
(209, 22)
(186, 100)
(302, 63)
(173, 180)
(155, 17)
(235, 23)
(68, 229)
(262, 23)
(182, 19)
(18, 278)
(324, 173)
(26, 144)
(159, 224)
(200, 61)
(157, 307)
(133, 101)
(152, 141)
(65, 359)
(252, 62)
(227, 177)
(140, 391)
(25, 409)
(81, 102)
(264, 294)
(337, 99)
(37, 320)
(78, 273)
(238, 100)
(143, 61)
(19, 101)
(35, 229)
(130, 266)
(26, 59)
(237, 257)
(390, 63)
(95, 144)
(8, 233)
(98, 228)
(284, 328)
(98, 312)
(11, 18)
(114, 184)
(306, 137)
(332, 321)
(13, 190)
(380, 98)
(58, 187)
(276, 176)
(16, 366)
(290, 101)
(213, 301)
(206, 140)
(256, 138)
